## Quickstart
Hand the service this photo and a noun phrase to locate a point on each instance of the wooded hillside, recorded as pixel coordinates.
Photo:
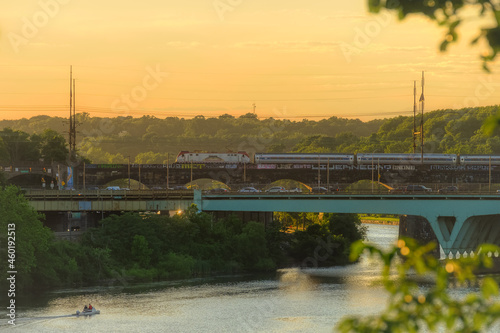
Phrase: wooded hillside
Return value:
(149, 139)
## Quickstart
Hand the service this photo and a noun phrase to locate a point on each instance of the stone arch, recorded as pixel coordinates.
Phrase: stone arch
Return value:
(31, 180)
(366, 185)
(206, 184)
(289, 184)
(123, 183)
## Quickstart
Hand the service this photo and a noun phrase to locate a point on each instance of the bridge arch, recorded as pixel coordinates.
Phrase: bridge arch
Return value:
(289, 184)
(367, 186)
(32, 180)
(206, 184)
(124, 183)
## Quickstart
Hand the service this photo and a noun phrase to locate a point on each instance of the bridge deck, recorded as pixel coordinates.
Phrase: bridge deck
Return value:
(107, 194)
(460, 221)
(104, 200)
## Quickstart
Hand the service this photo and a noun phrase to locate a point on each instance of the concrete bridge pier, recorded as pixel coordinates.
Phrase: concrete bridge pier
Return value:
(418, 228)
(462, 234)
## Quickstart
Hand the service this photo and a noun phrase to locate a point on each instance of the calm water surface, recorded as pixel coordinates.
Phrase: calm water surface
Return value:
(291, 300)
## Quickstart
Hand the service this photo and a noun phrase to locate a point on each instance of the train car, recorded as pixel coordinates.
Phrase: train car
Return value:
(479, 159)
(308, 158)
(204, 157)
(443, 159)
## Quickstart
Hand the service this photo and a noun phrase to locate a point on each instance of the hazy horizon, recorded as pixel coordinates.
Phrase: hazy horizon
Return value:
(298, 119)
(293, 60)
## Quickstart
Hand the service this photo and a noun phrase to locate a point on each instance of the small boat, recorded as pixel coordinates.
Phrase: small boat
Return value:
(88, 312)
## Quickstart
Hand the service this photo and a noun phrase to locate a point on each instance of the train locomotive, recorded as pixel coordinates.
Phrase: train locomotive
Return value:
(204, 157)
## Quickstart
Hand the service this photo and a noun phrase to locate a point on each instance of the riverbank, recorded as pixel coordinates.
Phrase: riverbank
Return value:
(310, 300)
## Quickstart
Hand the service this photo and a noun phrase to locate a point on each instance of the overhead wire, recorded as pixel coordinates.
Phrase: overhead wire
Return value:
(332, 88)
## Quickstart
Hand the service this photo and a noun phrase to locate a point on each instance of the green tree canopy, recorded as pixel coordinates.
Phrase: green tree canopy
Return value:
(20, 146)
(4, 153)
(54, 148)
(149, 140)
(32, 239)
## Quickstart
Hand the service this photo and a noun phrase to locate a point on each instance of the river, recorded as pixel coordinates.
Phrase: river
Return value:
(311, 300)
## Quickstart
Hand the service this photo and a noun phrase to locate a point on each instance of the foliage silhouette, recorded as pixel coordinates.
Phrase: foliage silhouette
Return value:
(413, 308)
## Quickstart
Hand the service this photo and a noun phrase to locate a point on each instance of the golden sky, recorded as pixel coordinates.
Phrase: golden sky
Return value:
(294, 59)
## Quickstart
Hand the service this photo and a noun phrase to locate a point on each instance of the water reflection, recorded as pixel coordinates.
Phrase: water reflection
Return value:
(295, 280)
(292, 300)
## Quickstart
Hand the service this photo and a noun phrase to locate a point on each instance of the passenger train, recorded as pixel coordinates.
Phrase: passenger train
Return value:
(337, 158)
(446, 159)
(292, 158)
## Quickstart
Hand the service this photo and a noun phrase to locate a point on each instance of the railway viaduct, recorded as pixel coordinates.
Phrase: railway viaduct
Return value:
(162, 175)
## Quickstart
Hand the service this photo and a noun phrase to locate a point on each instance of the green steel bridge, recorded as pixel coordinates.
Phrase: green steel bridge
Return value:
(460, 222)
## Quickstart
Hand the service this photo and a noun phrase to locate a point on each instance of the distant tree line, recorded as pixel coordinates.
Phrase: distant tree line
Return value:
(151, 140)
(17, 146)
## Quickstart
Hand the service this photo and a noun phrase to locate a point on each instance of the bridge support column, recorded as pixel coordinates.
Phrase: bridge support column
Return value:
(418, 228)
(460, 234)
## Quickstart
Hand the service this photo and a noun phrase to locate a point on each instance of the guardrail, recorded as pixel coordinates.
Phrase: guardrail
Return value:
(348, 193)
(34, 194)
(107, 194)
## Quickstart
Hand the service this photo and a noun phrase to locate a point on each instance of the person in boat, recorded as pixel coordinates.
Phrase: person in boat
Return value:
(90, 307)
(85, 308)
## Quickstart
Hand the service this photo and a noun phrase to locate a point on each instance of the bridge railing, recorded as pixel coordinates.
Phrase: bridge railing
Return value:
(478, 188)
(106, 194)
(48, 194)
(355, 192)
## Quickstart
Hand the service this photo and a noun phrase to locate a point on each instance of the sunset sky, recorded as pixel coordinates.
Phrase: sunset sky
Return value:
(294, 59)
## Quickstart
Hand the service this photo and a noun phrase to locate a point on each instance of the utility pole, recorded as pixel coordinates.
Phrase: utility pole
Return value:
(372, 173)
(378, 171)
(328, 175)
(244, 172)
(128, 172)
(84, 176)
(414, 115)
(70, 111)
(489, 175)
(319, 173)
(422, 100)
(168, 168)
(74, 117)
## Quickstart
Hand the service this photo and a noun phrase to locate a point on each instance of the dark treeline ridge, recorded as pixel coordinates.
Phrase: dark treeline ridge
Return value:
(151, 140)
(150, 247)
